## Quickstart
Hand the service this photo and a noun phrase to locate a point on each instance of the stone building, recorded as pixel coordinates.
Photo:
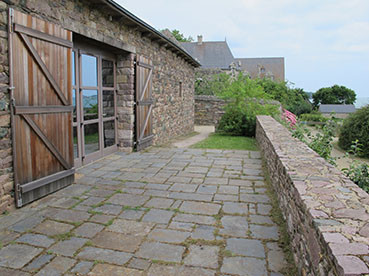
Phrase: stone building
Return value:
(216, 56)
(80, 79)
(271, 67)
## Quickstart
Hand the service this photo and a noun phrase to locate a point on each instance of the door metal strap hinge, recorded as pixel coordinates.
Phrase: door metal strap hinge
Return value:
(12, 102)
(19, 195)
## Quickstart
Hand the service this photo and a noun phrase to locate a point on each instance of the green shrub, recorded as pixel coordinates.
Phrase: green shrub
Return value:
(321, 142)
(211, 84)
(245, 96)
(292, 99)
(241, 121)
(313, 117)
(356, 127)
(358, 171)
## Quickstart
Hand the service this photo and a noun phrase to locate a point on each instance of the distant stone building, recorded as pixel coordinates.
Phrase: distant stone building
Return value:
(210, 54)
(216, 56)
(272, 67)
(339, 110)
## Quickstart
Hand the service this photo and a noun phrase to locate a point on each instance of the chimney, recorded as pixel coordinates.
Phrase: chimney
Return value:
(199, 39)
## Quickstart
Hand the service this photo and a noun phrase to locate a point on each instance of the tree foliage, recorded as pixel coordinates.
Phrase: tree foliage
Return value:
(180, 37)
(334, 95)
(295, 100)
(212, 84)
(246, 100)
(356, 127)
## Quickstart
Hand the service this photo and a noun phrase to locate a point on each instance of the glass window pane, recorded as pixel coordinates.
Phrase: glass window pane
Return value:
(90, 104)
(75, 142)
(89, 70)
(107, 73)
(73, 68)
(74, 105)
(109, 134)
(108, 103)
(91, 138)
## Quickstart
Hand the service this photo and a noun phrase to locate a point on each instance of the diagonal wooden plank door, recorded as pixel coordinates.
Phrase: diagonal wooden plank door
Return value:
(40, 63)
(144, 102)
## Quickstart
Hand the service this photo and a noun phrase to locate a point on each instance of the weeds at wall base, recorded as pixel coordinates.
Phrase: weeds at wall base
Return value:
(284, 240)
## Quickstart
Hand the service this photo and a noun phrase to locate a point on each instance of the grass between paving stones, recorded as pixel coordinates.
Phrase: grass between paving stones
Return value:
(110, 222)
(192, 241)
(160, 262)
(277, 217)
(98, 262)
(221, 141)
(92, 212)
(63, 237)
(137, 208)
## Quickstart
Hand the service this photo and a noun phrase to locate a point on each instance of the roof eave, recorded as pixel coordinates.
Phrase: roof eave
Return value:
(149, 31)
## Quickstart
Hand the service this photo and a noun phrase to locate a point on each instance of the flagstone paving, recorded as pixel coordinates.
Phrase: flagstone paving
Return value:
(159, 212)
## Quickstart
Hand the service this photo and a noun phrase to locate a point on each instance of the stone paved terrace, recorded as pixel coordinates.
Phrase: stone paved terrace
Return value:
(160, 212)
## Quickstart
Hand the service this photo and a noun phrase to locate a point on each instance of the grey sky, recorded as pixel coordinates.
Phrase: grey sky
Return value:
(323, 42)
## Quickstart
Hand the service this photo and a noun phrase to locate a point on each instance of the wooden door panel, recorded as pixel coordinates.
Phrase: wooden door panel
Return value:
(42, 106)
(144, 102)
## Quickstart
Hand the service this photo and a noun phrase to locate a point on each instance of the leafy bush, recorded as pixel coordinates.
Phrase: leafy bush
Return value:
(241, 121)
(356, 127)
(358, 172)
(292, 99)
(212, 84)
(321, 142)
(240, 114)
(313, 117)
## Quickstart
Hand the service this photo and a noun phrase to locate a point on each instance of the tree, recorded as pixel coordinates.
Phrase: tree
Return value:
(334, 95)
(180, 37)
(292, 99)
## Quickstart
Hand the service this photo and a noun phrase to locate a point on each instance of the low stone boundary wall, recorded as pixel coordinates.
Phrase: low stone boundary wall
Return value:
(208, 110)
(327, 215)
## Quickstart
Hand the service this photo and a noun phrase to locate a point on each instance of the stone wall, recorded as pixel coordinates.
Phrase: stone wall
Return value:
(173, 77)
(208, 110)
(6, 175)
(327, 215)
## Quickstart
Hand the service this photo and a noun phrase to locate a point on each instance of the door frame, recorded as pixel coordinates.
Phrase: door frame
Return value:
(79, 49)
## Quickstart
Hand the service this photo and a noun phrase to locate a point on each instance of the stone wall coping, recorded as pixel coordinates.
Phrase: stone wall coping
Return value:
(336, 207)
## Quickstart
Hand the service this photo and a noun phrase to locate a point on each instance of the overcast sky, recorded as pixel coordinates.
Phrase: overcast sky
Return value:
(323, 42)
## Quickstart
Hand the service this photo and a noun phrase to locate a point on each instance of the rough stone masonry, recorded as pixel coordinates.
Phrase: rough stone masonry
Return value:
(326, 213)
(173, 77)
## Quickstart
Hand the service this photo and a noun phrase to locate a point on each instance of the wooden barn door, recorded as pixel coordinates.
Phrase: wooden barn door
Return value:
(40, 62)
(144, 103)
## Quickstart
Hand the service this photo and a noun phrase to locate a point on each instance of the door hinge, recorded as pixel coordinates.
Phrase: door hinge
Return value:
(19, 195)
(12, 102)
(11, 20)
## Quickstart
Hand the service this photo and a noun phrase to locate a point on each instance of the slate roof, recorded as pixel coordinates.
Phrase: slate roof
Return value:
(210, 54)
(337, 108)
(273, 66)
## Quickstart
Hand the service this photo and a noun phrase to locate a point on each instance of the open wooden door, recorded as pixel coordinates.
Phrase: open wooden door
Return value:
(144, 102)
(40, 62)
